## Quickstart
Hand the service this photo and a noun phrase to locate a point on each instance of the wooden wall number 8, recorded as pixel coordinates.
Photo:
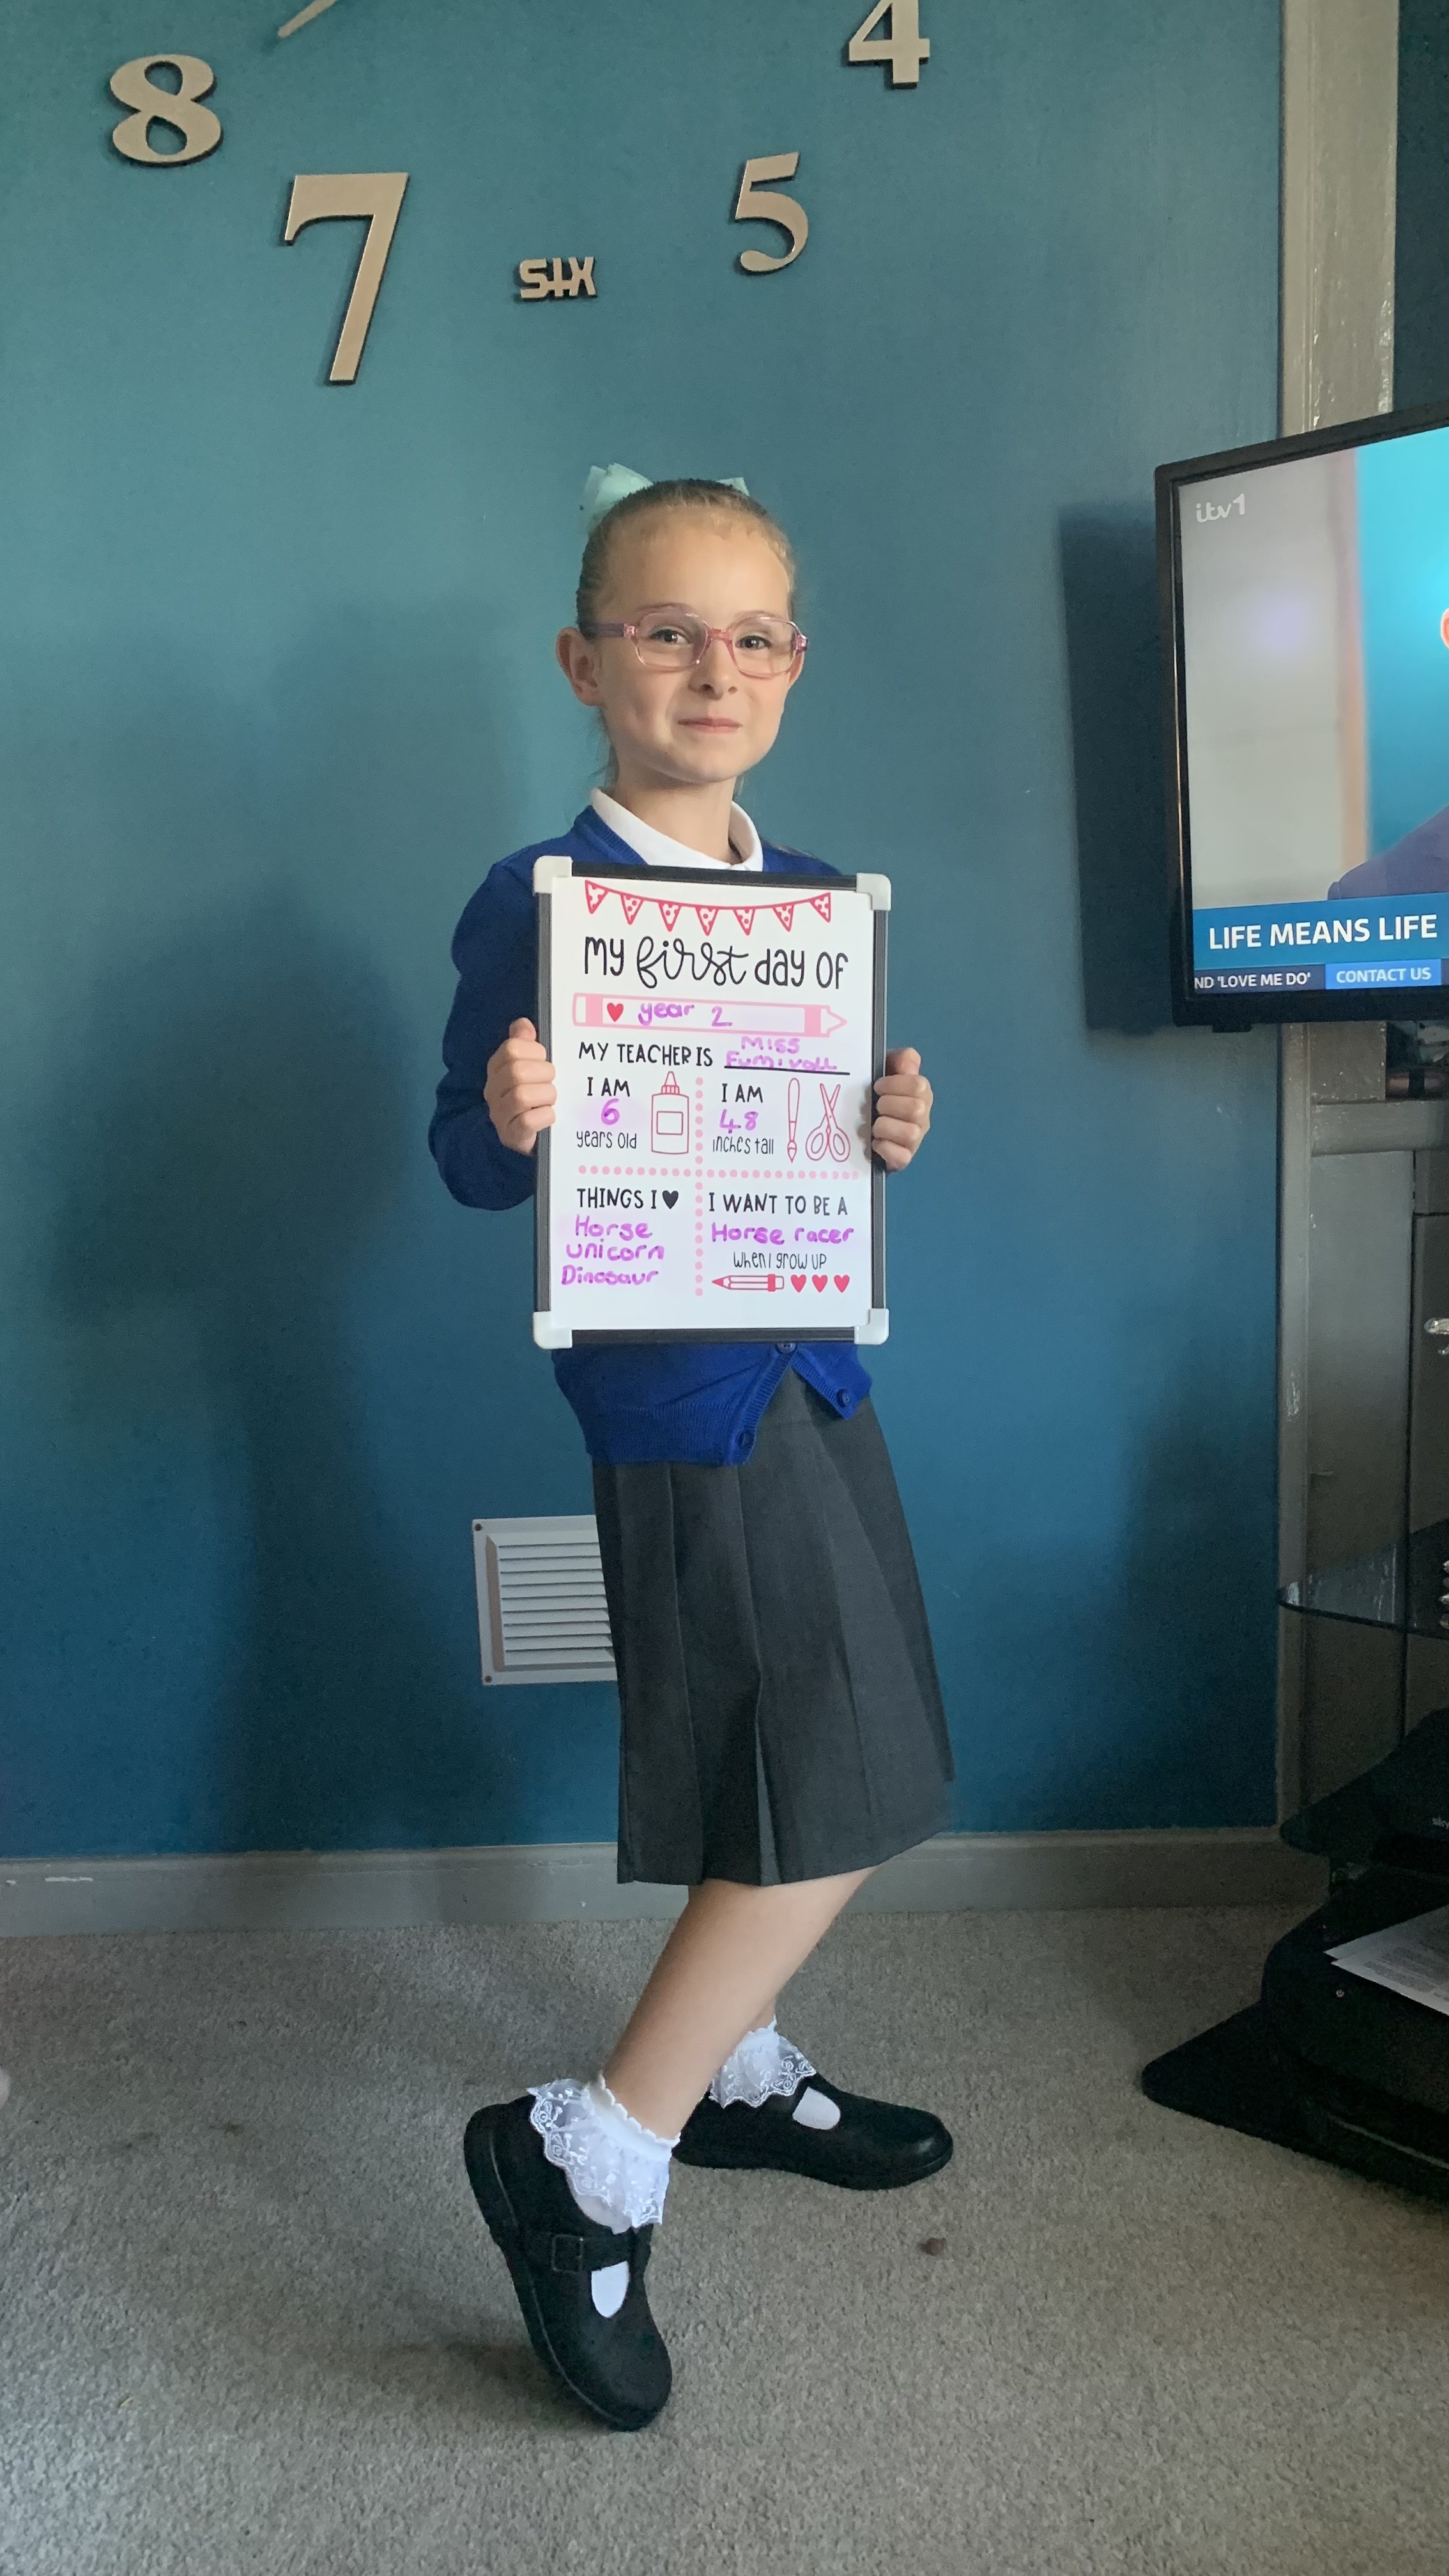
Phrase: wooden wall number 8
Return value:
(178, 109)
(755, 204)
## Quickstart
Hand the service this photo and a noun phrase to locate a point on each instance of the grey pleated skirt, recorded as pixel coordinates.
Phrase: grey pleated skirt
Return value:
(782, 1717)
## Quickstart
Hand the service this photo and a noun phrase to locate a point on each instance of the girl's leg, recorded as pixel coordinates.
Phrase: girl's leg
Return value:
(716, 1978)
(572, 2186)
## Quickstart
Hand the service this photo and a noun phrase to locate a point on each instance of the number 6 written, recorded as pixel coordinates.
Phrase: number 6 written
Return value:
(377, 195)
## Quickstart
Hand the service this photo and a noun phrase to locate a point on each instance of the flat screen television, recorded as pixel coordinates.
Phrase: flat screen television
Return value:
(1305, 597)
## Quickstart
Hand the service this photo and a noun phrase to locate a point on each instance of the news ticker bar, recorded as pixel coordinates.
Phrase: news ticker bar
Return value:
(1253, 938)
(1389, 977)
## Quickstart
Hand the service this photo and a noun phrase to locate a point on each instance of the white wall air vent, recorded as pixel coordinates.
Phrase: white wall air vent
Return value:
(542, 1616)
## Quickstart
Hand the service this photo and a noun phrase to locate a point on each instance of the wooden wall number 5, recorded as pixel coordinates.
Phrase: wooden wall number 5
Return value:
(377, 195)
(755, 204)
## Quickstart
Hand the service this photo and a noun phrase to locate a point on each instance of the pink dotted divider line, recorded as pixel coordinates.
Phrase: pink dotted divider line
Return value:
(731, 1173)
(699, 1185)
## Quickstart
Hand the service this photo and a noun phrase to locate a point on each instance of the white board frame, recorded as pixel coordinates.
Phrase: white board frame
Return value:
(550, 1330)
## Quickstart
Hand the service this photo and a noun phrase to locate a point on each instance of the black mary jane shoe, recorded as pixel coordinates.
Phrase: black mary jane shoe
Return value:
(615, 2366)
(874, 2146)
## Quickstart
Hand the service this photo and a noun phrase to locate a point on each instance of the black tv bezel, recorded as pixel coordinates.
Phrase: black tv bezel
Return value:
(1191, 1009)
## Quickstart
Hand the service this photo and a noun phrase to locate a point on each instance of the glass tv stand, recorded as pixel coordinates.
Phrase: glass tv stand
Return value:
(1404, 1586)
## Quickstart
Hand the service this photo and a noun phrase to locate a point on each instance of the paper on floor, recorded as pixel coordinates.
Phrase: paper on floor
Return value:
(1410, 1958)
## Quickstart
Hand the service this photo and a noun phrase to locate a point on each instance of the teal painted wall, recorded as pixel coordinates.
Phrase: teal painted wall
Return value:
(276, 688)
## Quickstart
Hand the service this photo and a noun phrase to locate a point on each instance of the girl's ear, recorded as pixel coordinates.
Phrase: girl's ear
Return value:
(579, 663)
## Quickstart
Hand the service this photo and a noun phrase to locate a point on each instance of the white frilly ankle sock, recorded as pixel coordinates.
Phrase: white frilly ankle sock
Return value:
(765, 2064)
(616, 2169)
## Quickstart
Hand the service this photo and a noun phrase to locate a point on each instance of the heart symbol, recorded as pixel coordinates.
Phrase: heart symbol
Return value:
(843, 1283)
(670, 1197)
(615, 1010)
(797, 1279)
(818, 1283)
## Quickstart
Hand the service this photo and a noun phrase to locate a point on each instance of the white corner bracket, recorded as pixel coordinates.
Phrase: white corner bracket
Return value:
(551, 870)
(877, 890)
(877, 1326)
(549, 1334)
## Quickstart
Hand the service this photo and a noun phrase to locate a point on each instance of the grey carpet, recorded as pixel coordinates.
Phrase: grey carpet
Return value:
(252, 2325)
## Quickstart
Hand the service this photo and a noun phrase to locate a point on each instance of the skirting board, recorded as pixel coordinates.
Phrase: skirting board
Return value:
(567, 1882)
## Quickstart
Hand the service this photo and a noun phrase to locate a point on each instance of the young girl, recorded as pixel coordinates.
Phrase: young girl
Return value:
(782, 1722)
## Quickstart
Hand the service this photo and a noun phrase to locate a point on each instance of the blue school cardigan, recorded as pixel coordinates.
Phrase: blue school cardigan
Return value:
(697, 1403)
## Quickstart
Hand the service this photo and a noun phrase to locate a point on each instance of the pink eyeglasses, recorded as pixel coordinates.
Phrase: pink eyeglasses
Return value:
(760, 646)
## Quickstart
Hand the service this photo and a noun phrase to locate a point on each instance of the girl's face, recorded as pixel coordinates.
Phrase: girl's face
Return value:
(691, 728)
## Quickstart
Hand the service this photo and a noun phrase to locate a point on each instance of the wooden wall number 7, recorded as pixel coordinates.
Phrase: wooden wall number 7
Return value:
(377, 195)
(755, 204)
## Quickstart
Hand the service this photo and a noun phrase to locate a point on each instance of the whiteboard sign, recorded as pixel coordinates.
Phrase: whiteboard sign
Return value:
(708, 1175)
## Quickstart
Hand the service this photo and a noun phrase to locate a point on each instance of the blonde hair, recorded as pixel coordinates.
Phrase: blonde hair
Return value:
(722, 498)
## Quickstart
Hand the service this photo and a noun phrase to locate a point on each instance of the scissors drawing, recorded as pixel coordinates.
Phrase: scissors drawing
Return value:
(829, 1137)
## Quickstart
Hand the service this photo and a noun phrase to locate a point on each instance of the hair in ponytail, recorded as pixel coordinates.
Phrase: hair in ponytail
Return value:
(722, 500)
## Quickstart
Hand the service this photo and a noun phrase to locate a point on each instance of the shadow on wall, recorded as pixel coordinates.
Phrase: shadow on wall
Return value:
(236, 1127)
(1194, 1618)
(1136, 1675)
(1114, 676)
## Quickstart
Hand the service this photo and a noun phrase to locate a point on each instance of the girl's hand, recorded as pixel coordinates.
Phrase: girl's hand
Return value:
(520, 1089)
(902, 1109)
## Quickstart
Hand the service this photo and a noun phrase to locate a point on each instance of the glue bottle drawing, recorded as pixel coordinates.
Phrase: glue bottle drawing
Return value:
(669, 1124)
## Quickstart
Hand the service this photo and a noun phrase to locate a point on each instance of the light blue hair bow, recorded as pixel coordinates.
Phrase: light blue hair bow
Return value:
(610, 483)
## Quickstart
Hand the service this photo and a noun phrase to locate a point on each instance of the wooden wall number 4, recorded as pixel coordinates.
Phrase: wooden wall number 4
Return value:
(905, 48)
(377, 195)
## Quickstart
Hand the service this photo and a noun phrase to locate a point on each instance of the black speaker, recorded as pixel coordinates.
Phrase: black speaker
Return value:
(1327, 2062)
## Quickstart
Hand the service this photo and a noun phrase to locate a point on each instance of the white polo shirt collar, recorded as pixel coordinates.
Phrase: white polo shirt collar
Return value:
(657, 850)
